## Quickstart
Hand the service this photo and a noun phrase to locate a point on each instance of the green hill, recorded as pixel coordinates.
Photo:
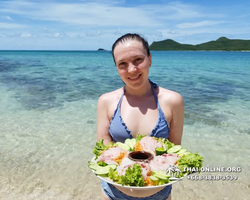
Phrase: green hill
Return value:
(222, 44)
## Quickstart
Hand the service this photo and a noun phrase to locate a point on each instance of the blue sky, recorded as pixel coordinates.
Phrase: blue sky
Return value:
(89, 25)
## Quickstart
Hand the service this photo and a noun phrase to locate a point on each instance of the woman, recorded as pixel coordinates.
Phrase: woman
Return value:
(138, 107)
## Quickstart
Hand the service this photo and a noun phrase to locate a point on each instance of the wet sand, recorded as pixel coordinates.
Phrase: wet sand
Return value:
(184, 190)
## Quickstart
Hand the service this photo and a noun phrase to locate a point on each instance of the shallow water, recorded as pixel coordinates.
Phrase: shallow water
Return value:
(48, 119)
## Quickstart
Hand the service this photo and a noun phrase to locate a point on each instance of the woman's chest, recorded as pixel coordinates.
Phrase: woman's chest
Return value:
(129, 118)
(138, 121)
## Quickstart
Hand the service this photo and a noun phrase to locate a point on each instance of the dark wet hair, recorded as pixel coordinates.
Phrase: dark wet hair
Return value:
(131, 36)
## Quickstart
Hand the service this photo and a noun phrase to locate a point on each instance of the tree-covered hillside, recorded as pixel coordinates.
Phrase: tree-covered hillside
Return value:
(222, 44)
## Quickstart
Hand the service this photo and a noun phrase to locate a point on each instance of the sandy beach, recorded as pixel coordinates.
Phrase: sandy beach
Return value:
(184, 190)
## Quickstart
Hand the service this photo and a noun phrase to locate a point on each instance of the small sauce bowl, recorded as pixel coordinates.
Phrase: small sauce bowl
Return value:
(140, 156)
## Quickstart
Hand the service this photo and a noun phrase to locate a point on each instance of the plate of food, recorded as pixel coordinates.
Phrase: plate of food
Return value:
(143, 162)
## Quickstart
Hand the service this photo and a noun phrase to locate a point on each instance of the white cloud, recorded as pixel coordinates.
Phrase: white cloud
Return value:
(93, 33)
(11, 25)
(75, 34)
(105, 14)
(173, 32)
(92, 14)
(198, 24)
(174, 11)
(25, 35)
(119, 31)
(6, 17)
(79, 23)
(168, 33)
(177, 11)
(58, 35)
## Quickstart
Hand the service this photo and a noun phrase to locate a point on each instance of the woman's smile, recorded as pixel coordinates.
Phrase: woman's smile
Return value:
(134, 78)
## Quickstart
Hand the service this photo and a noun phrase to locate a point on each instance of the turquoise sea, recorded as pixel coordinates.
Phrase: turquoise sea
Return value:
(48, 105)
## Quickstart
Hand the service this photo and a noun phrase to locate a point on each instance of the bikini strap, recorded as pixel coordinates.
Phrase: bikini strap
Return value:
(154, 86)
(119, 103)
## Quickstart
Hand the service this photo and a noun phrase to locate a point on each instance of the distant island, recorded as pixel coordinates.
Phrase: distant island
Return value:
(100, 49)
(221, 44)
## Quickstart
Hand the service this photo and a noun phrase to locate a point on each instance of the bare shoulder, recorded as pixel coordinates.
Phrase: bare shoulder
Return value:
(110, 97)
(170, 97)
(108, 102)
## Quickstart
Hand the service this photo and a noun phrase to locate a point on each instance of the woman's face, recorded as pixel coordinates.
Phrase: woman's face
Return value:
(132, 62)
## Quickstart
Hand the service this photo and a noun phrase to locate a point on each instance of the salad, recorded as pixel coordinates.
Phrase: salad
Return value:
(143, 161)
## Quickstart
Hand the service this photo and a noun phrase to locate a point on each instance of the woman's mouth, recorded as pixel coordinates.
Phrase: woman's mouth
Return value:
(134, 78)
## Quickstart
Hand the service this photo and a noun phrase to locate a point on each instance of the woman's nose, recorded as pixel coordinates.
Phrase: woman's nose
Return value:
(132, 67)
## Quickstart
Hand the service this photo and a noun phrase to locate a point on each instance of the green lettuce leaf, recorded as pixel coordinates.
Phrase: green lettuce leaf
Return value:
(191, 160)
(100, 147)
(168, 144)
(133, 176)
(139, 137)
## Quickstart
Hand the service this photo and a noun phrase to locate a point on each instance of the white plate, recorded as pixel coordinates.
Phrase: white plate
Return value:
(135, 187)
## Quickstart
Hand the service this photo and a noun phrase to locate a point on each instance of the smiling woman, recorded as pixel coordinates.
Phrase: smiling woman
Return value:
(139, 107)
(132, 64)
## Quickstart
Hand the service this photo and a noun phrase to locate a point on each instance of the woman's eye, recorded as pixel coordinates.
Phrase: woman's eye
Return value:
(138, 60)
(122, 65)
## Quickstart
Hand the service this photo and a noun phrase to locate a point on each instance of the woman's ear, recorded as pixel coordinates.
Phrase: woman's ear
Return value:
(150, 60)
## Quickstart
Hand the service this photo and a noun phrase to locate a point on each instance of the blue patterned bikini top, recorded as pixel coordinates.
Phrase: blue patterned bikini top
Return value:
(120, 132)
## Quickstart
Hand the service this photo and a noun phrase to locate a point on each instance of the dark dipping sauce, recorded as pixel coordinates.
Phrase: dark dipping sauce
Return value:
(140, 156)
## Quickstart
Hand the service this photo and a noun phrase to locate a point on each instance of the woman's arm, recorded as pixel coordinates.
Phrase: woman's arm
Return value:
(103, 120)
(177, 121)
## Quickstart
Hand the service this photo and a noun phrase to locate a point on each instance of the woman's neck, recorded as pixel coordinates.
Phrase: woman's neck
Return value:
(144, 90)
